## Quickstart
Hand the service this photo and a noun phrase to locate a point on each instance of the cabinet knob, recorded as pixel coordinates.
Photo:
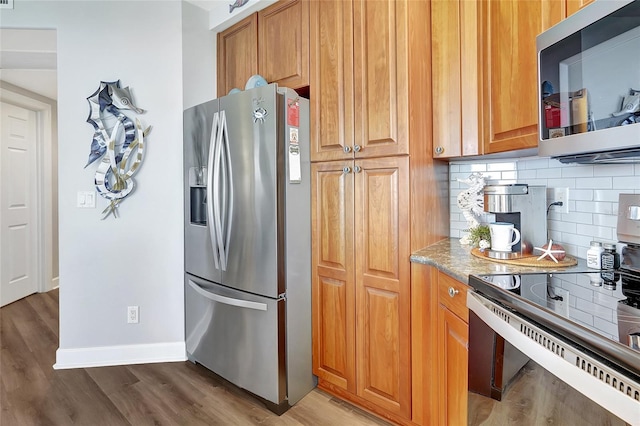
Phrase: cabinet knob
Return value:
(357, 148)
(453, 291)
(346, 169)
(346, 149)
(439, 150)
(357, 169)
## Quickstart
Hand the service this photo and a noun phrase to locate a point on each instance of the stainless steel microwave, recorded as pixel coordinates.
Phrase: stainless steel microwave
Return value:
(589, 85)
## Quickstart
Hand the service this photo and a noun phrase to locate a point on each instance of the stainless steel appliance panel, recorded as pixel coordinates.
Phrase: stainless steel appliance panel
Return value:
(298, 256)
(253, 257)
(238, 336)
(197, 138)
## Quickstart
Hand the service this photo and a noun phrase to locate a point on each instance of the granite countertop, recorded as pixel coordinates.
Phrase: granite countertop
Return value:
(456, 260)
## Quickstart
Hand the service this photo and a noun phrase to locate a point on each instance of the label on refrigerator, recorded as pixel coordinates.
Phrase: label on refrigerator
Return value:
(295, 173)
(293, 112)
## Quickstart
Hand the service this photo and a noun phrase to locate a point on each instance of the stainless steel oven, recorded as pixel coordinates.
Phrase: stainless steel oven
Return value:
(583, 327)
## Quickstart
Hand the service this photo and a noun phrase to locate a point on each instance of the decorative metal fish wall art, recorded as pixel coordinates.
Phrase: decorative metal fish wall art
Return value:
(123, 145)
(236, 4)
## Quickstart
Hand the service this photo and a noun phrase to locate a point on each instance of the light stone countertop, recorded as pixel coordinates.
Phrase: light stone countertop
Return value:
(456, 260)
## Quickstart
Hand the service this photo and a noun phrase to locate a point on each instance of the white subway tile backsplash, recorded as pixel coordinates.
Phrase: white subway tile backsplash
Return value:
(536, 163)
(498, 167)
(625, 182)
(605, 220)
(472, 167)
(613, 170)
(581, 194)
(546, 173)
(600, 233)
(585, 171)
(606, 195)
(593, 195)
(595, 183)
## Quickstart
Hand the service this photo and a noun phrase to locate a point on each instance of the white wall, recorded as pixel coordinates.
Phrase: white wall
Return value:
(137, 259)
(198, 56)
(593, 195)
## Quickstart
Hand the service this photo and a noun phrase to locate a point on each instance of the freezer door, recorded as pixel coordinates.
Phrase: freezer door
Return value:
(256, 152)
(238, 336)
(198, 124)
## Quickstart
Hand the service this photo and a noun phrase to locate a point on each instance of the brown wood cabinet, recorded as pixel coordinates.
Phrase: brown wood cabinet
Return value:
(283, 43)
(237, 55)
(440, 333)
(453, 352)
(510, 76)
(377, 195)
(485, 74)
(361, 279)
(455, 53)
(359, 79)
(273, 42)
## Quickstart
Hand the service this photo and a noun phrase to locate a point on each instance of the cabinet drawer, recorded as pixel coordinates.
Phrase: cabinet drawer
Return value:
(453, 295)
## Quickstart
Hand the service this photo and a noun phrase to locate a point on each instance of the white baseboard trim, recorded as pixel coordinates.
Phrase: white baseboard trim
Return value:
(55, 283)
(120, 355)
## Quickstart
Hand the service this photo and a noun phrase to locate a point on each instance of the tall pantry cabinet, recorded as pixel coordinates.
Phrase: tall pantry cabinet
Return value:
(377, 195)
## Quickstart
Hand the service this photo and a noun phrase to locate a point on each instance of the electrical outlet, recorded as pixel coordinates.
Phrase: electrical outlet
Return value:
(132, 315)
(558, 194)
(558, 300)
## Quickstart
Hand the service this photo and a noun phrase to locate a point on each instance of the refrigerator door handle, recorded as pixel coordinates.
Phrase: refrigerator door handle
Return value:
(228, 189)
(221, 184)
(215, 129)
(227, 300)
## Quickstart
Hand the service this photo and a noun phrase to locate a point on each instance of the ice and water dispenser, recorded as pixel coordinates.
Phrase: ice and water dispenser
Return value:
(198, 195)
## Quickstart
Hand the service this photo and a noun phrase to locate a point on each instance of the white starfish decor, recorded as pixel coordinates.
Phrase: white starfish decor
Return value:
(548, 252)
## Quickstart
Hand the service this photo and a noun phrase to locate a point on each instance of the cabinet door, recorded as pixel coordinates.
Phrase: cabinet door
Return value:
(383, 283)
(575, 5)
(454, 78)
(453, 343)
(510, 70)
(237, 54)
(380, 40)
(331, 100)
(283, 48)
(333, 289)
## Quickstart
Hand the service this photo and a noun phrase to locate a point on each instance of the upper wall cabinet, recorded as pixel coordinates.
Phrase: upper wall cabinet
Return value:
(484, 73)
(283, 43)
(273, 42)
(237, 54)
(455, 48)
(359, 79)
(509, 73)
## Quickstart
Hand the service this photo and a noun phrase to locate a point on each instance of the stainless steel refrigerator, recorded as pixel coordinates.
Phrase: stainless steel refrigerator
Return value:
(248, 242)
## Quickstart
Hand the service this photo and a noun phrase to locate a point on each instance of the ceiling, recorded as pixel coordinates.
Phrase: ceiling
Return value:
(28, 59)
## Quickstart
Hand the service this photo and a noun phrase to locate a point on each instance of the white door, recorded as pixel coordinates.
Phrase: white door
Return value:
(18, 254)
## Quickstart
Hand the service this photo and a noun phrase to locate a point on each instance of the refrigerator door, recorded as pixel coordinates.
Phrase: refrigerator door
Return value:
(199, 133)
(238, 336)
(253, 250)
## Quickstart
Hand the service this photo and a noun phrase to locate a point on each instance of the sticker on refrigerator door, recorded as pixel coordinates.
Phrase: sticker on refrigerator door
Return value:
(295, 173)
(293, 112)
(293, 135)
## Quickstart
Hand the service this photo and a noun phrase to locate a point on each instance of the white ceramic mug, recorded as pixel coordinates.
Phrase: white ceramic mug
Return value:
(503, 236)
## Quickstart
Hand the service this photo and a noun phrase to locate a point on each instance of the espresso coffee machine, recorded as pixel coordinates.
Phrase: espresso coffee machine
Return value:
(525, 207)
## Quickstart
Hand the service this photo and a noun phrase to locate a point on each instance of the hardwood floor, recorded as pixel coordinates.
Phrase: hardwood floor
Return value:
(538, 398)
(32, 393)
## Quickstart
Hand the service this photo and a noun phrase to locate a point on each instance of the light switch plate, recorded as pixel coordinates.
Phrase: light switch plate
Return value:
(86, 199)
